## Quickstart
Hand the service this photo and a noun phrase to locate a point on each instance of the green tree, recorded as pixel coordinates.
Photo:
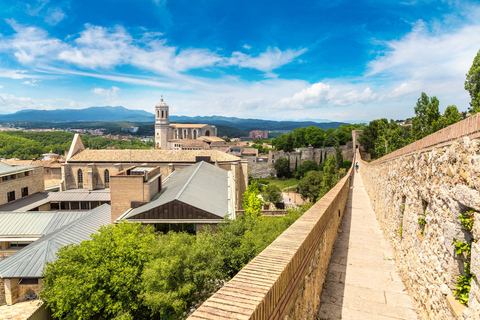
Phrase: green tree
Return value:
(428, 118)
(315, 136)
(272, 193)
(472, 84)
(329, 175)
(99, 278)
(310, 186)
(184, 269)
(306, 166)
(251, 203)
(339, 156)
(282, 167)
(451, 115)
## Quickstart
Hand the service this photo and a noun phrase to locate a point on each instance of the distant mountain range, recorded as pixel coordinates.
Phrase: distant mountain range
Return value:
(92, 114)
(111, 114)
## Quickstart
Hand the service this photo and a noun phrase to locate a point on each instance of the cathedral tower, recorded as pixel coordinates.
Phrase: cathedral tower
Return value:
(162, 125)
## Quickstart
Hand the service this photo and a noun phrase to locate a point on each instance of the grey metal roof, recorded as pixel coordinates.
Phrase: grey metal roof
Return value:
(26, 203)
(35, 223)
(6, 169)
(80, 195)
(142, 169)
(30, 261)
(37, 199)
(201, 185)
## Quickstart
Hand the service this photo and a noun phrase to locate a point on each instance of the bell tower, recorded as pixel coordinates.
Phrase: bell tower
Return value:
(162, 124)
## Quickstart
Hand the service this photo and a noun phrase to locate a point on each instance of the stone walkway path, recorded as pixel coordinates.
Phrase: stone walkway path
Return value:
(362, 280)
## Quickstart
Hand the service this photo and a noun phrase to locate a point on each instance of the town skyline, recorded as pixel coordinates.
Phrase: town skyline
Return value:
(341, 60)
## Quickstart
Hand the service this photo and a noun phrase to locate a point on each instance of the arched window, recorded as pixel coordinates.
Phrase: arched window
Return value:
(207, 133)
(80, 178)
(162, 114)
(107, 178)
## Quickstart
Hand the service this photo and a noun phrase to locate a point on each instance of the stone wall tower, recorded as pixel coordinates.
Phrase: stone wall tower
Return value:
(162, 125)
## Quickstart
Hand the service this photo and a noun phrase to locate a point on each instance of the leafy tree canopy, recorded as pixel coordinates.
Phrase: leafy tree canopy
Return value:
(472, 84)
(282, 166)
(99, 278)
(310, 186)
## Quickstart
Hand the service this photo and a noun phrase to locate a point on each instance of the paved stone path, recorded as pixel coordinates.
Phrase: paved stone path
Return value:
(362, 280)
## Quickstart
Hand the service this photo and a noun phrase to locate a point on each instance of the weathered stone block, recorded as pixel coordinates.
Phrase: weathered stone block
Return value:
(468, 197)
(475, 260)
(476, 226)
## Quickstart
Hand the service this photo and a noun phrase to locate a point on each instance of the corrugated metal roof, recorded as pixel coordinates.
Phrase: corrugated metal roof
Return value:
(35, 223)
(30, 261)
(37, 199)
(26, 203)
(80, 195)
(202, 185)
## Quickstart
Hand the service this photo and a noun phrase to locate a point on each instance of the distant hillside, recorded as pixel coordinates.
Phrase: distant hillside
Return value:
(254, 124)
(101, 114)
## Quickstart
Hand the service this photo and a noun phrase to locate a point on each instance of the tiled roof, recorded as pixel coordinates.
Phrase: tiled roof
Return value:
(30, 261)
(151, 155)
(211, 138)
(203, 186)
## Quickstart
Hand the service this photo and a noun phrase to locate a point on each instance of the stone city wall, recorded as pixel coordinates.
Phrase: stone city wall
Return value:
(260, 169)
(418, 196)
(285, 280)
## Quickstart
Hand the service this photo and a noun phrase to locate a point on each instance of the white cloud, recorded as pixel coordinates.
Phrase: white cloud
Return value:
(54, 16)
(246, 46)
(401, 91)
(265, 61)
(12, 104)
(30, 44)
(425, 55)
(32, 83)
(14, 74)
(107, 48)
(323, 95)
(109, 94)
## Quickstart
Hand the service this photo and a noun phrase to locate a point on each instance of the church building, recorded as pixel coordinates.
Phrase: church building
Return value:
(168, 134)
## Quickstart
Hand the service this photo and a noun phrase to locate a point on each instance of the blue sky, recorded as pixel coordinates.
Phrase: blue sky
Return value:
(281, 60)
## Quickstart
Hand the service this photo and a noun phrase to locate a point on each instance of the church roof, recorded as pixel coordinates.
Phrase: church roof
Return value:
(188, 125)
(203, 186)
(151, 155)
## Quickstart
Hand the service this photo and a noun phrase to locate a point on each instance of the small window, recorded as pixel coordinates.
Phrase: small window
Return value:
(107, 178)
(24, 192)
(80, 178)
(10, 196)
(27, 173)
(19, 244)
(29, 281)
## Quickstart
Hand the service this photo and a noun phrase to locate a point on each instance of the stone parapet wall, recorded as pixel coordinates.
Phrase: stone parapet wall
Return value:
(285, 280)
(432, 185)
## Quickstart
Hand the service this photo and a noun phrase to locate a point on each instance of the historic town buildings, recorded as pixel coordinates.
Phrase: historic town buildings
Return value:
(167, 134)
